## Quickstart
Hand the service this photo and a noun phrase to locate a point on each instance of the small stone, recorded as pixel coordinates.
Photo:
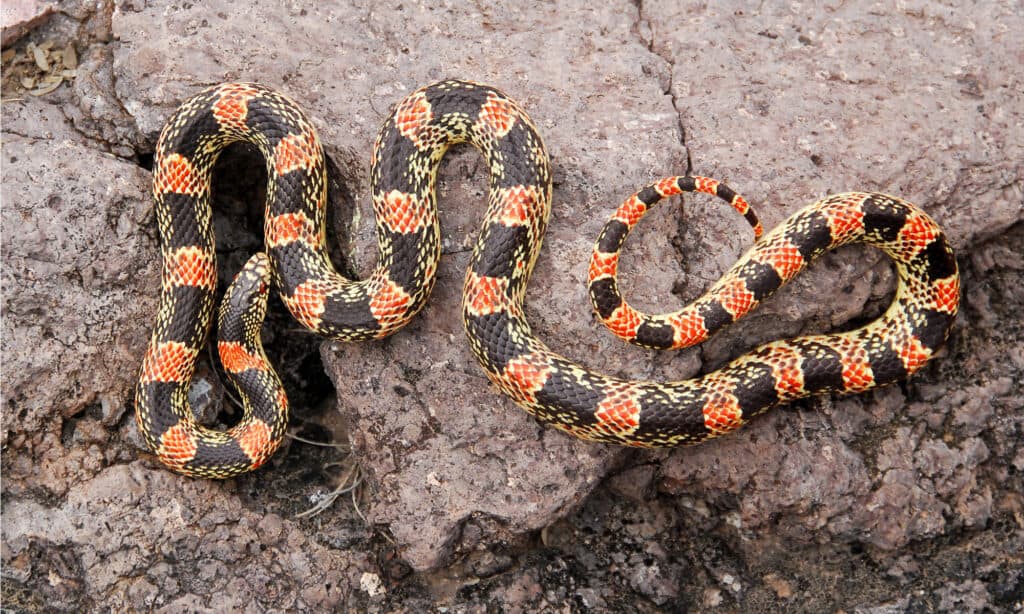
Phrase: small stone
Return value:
(713, 597)
(636, 484)
(270, 527)
(371, 584)
(783, 589)
(486, 564)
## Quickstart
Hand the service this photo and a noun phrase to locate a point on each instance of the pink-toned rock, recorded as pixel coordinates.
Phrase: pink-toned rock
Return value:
(17, 17)
(901, 499)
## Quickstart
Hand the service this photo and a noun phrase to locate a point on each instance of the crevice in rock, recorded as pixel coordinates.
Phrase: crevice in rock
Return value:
(83, 96)
(8, 131)
(89, 140)
(144, 159)
(639, 26)
(239, 195)
(109, 57)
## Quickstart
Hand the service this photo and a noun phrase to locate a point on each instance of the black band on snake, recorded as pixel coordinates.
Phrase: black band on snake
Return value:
(557, 391)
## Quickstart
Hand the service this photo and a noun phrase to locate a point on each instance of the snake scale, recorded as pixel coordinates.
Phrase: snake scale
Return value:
(408, 151)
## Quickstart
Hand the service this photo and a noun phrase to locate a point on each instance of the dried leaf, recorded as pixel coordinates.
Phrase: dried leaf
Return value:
(28, 82)
(40, 57)
(8, 56)
(69, 74)
(45, 89)
(70, 57)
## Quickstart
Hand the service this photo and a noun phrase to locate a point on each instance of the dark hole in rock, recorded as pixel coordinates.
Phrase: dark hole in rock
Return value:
(67, 432)
(314, 432)
(145, 160)
(238, 193)
(70, 424)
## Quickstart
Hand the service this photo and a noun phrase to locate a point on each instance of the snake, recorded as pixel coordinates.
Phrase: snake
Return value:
(556, 390)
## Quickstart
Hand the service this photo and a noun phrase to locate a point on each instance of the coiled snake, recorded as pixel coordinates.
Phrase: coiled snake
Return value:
(558, 392)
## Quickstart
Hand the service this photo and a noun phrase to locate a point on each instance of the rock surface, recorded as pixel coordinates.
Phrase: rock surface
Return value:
(17, 17)
(907, 498)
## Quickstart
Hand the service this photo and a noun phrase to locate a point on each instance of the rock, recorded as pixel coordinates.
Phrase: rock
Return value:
(903, 498)
(75, 329)
(782, 588)
(635, 483)
(428, 424)
(813, 114)
(20, 16)
(410, 419)
(893, 607)
(966, 596)
(101, 525)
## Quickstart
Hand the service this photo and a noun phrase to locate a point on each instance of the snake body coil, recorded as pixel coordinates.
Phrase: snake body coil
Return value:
(581, 402)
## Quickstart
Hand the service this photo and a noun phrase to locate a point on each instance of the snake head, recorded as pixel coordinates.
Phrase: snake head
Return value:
(245, 303)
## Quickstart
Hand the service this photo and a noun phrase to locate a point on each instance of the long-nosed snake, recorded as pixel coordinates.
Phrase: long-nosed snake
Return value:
(405, 160)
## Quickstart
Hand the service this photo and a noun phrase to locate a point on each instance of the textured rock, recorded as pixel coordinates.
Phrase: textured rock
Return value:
(79, 284)
(19, 16)
(906, 498)
(126, 538)
(440, 445)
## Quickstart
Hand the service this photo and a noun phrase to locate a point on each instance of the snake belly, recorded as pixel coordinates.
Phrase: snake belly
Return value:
(556, 390)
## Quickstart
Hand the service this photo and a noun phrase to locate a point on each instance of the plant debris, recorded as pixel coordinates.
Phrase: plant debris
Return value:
(37, 70)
